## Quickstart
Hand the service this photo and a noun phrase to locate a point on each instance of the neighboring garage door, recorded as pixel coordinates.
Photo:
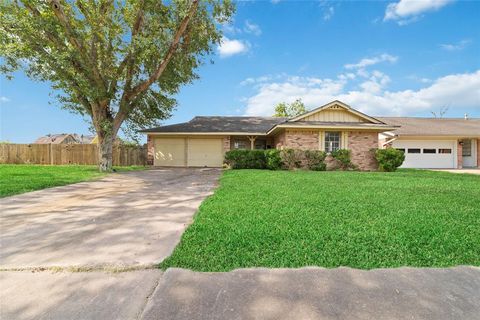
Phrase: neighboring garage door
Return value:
(169, 152)
(427, 153)
(192, 152)
(205, 152)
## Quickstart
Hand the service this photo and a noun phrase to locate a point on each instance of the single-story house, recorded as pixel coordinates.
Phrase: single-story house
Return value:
(203, 141)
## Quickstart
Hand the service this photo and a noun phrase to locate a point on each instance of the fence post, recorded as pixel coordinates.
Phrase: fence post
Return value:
(51, 154)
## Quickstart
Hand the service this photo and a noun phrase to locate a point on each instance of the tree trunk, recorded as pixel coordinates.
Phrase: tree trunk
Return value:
(105, 153)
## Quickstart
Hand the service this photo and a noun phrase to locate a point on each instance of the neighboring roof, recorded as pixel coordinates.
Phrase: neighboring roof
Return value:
(340, 104)
(221, 125)
(434, 126)
(60, 138)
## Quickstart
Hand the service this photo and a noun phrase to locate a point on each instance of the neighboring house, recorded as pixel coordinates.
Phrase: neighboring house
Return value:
(428, 143)
(65, 138)
(435, 142)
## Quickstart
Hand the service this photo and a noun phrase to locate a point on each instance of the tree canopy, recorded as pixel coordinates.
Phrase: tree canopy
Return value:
(289, 110)
(116, 62)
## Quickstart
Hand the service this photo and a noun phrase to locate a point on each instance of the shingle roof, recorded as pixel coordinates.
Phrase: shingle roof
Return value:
(434, 126)
(60, 138)
(222, 124)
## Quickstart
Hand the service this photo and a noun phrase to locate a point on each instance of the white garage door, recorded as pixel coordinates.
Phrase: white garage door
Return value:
(205, 152)
(169, 152)
(427, 153)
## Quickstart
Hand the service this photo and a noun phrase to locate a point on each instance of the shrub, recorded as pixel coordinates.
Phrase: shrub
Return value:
(315, 160)
(246, 159)
(343, 158)
(273, 159)
(389, 159)
(291, 158)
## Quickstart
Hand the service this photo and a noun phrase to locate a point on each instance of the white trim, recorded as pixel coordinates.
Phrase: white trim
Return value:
(332, 128)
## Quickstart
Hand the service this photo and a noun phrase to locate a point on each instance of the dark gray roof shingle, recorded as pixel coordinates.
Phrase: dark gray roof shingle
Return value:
(222, 124)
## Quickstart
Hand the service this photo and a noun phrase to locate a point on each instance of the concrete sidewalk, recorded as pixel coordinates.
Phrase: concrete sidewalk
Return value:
(28, 295)
(316, 293)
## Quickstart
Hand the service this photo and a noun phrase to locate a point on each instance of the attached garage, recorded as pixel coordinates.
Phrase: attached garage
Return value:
(188, 152)
(428, 154)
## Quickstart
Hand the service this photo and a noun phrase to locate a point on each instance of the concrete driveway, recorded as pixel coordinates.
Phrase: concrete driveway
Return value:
(128, 219)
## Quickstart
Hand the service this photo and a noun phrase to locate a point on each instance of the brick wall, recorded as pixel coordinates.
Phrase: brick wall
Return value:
(459, 155)
(150, 150)
(302, 139)
(360, 144)
(226, 144)
(279, 140)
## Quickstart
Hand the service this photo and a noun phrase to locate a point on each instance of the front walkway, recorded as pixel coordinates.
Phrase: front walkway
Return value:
(466, 170)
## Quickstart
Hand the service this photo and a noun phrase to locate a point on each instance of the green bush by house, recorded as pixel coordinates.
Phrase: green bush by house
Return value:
(389, 159)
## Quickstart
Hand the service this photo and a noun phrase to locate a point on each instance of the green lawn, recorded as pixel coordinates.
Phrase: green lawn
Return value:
(330, 219)
(19, 178)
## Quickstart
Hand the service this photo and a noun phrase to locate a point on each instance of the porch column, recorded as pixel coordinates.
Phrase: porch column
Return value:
(459, 154)
(252, 141)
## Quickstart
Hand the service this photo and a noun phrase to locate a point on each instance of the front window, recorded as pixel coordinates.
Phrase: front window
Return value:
(240, 144)
(467, 148)
(332, 141)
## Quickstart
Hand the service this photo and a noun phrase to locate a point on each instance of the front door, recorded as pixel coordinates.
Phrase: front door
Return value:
(469, 152)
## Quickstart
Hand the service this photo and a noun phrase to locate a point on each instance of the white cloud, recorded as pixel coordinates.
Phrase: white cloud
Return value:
(4, 99)
(252, 28)
(456, 46)
(328, 13)
(230, 47)
(406, 11)
(371, 96)
(371, 61)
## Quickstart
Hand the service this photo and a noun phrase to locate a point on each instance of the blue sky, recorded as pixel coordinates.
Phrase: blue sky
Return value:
(384, 58)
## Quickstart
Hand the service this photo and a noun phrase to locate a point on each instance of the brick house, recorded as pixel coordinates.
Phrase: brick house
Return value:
(203, 141)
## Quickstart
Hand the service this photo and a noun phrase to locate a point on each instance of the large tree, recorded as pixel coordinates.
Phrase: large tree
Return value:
(117, 62)
(290, 110)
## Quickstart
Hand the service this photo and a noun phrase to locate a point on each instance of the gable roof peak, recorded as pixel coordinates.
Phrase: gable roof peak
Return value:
(341, 104)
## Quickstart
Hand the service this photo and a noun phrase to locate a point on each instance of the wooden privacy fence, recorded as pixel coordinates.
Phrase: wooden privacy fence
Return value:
(56, 154)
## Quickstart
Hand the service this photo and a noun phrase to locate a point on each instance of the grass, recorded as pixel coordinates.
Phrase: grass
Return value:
(20, 178)
(329, 219)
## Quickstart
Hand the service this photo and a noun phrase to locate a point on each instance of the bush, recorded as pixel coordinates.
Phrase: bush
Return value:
(389, 159)
(315, 160)
(273, 159)
(246, 159)
(292, 158)
(343, 158)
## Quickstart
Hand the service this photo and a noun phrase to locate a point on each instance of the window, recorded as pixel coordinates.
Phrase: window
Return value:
(403, 150)
(467, 148)
(240, 144)
(332, 141)
(260, 144)
(444, 151)
(414, 150)
(429, 150)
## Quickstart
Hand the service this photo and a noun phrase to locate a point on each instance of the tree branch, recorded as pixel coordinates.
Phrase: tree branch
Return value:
(138, 89)
(77, 43)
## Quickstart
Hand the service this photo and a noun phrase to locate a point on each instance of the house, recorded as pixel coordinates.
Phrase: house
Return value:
(65, 138)
(203, 141)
